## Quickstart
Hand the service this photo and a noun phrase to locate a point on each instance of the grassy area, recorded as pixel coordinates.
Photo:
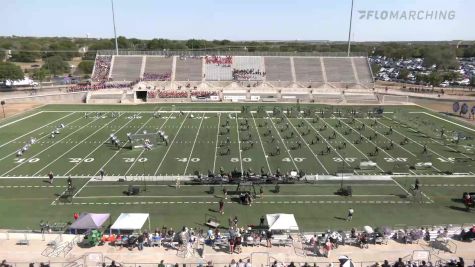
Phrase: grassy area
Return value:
(321, 142)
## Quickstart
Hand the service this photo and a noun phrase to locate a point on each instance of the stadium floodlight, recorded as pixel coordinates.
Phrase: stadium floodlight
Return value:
(349, 31)
(115, 33)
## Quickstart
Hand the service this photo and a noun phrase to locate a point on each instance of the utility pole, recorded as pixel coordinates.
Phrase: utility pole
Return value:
(349, 31)
(115, 33)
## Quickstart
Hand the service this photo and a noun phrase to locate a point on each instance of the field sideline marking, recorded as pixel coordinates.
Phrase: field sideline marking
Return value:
(449, 121)
(311, 151)
(283, 143)
(239, 141)
(69, 150)
(35, 130)
(171, 144)
(216, 143)
(194, 143)
(55, 143)
(231, 195)
(15, 121)
(46, 135)
(262, 145)
(107, 160)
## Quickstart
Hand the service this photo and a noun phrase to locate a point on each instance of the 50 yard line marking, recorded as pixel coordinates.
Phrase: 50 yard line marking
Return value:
(30, 132)
(311, 151)
(171, 144)
(262, 145)
(80, 128)
(194, 143)
(239, 141)
(216, 143)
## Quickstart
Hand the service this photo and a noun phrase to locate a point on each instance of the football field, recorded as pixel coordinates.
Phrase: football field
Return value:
(379, 154)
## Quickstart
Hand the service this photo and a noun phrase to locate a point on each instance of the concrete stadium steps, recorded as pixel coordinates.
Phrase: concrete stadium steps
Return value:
(327, 97)
(245, 63)
(308, 69)
(106, 96)
(188, 69)
(158, 65)
(126, 68)
(339, 70)
(362, 68)
(278, 69)
(216, 72)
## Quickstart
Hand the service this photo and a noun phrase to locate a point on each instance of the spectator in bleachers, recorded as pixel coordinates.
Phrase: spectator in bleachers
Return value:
(205, 94)
(172, 94)
(156, 76)
(224, 61)
(101, 85)
(102, 68)
(247, 74)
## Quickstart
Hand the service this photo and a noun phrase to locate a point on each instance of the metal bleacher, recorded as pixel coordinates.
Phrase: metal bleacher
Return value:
(158, 65)
(339, 70)
(126, 68)
(278, 69)
(308, 69)
(188, 69)
(362, 68)
(216, 72)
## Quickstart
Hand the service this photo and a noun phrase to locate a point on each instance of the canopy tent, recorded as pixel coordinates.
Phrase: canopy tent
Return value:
(131, 221)
(89, 221)
(282, 221)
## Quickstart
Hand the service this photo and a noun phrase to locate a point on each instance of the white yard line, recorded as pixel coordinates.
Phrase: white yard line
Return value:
(143, 150)
(311, 151)
(32, 131)
(15, 121)
(216, 143)
(442, 119)
(239, 141)
(80, 128)
(283, 143)
(46, 135)
(382, 135)
(194, 143)
(412, 140)
(171, 144)
(262, 144)
(80, 189)
(73, 147)
(105, 164)
(328, 143)
(398, 184)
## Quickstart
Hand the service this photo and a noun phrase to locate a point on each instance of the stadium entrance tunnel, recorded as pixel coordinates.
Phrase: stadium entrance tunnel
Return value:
(141, 95)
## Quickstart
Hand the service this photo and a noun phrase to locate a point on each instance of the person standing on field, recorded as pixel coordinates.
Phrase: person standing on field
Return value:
(350, 214)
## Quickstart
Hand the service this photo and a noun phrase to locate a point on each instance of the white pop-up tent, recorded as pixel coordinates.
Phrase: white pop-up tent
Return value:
(282, 221)
(131, 222)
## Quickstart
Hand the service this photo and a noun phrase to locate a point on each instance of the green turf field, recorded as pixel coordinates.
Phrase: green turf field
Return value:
(318, 141)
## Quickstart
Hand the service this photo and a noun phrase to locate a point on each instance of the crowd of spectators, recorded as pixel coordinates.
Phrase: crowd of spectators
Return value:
(147, 76)
(203, 93)
(247, 74)
(224, 61)
(172, 94)
(102, 68)
(101, 85)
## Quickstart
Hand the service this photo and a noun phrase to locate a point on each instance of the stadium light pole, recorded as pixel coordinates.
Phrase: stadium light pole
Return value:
(349, 31)
(115, 33)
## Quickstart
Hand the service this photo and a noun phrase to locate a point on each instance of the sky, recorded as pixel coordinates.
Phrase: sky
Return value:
(239, 19)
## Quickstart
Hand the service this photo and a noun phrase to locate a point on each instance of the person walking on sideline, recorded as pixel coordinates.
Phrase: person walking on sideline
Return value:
(221, 206)
(101, 173)
(177, 185)
(51, 177)
(350, 214)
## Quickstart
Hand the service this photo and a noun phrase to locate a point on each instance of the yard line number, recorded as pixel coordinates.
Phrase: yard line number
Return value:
(132, 160)
(31, 160)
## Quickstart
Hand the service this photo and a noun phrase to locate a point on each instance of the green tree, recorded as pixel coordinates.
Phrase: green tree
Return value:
(403, 74)
(2, 55)
(24, 56)
(10, 71)
(375, 68)
(86, 66)
(40, 74)
(56, 65)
